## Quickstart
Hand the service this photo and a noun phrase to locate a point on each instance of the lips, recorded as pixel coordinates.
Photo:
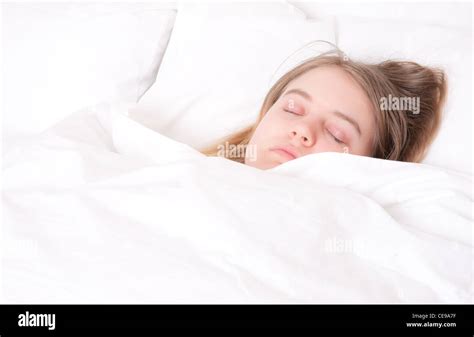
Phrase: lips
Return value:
(286, 152)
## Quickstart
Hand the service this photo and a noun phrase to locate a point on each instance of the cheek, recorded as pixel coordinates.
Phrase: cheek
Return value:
(324, 145)
(264, 131)
(366, 149)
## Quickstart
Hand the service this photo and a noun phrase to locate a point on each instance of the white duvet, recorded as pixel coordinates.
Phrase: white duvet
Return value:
(100, 209)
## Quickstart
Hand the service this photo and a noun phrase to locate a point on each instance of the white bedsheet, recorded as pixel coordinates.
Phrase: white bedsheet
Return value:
(100, 209)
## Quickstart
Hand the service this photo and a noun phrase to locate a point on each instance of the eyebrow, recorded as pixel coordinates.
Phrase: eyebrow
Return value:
(339, 114)
(299, 92)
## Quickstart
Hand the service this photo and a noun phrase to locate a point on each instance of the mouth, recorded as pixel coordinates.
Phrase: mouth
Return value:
(285, 152)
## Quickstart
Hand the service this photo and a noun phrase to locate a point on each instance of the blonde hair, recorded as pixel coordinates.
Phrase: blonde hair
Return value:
(400, 134)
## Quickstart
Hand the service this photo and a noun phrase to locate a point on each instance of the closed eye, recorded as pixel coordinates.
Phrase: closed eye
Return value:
(291, 112)
(335, 138)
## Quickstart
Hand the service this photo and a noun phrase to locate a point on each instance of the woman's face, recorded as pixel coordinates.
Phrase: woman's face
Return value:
(323, 110)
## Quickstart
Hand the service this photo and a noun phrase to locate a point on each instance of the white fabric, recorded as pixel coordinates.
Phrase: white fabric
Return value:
(219, 64)
(100, 209)
(61, 57)
(455, 14)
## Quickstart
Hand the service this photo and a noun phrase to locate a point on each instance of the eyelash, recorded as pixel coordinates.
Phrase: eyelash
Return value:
(291, 112)
(336, 139)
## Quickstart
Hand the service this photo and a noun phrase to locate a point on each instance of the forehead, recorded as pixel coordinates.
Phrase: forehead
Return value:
(334, 88)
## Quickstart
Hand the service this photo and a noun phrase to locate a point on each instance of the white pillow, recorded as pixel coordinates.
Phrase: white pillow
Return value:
(60, 57)
(218, 67)
(450, 13)
(448, 47)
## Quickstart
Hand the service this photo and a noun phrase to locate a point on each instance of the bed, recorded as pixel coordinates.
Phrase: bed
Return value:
(108, 200)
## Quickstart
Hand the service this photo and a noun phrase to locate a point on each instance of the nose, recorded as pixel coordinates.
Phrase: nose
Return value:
(302, 135)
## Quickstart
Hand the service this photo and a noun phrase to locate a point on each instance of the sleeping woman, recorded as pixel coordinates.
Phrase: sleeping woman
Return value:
(391, 110)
